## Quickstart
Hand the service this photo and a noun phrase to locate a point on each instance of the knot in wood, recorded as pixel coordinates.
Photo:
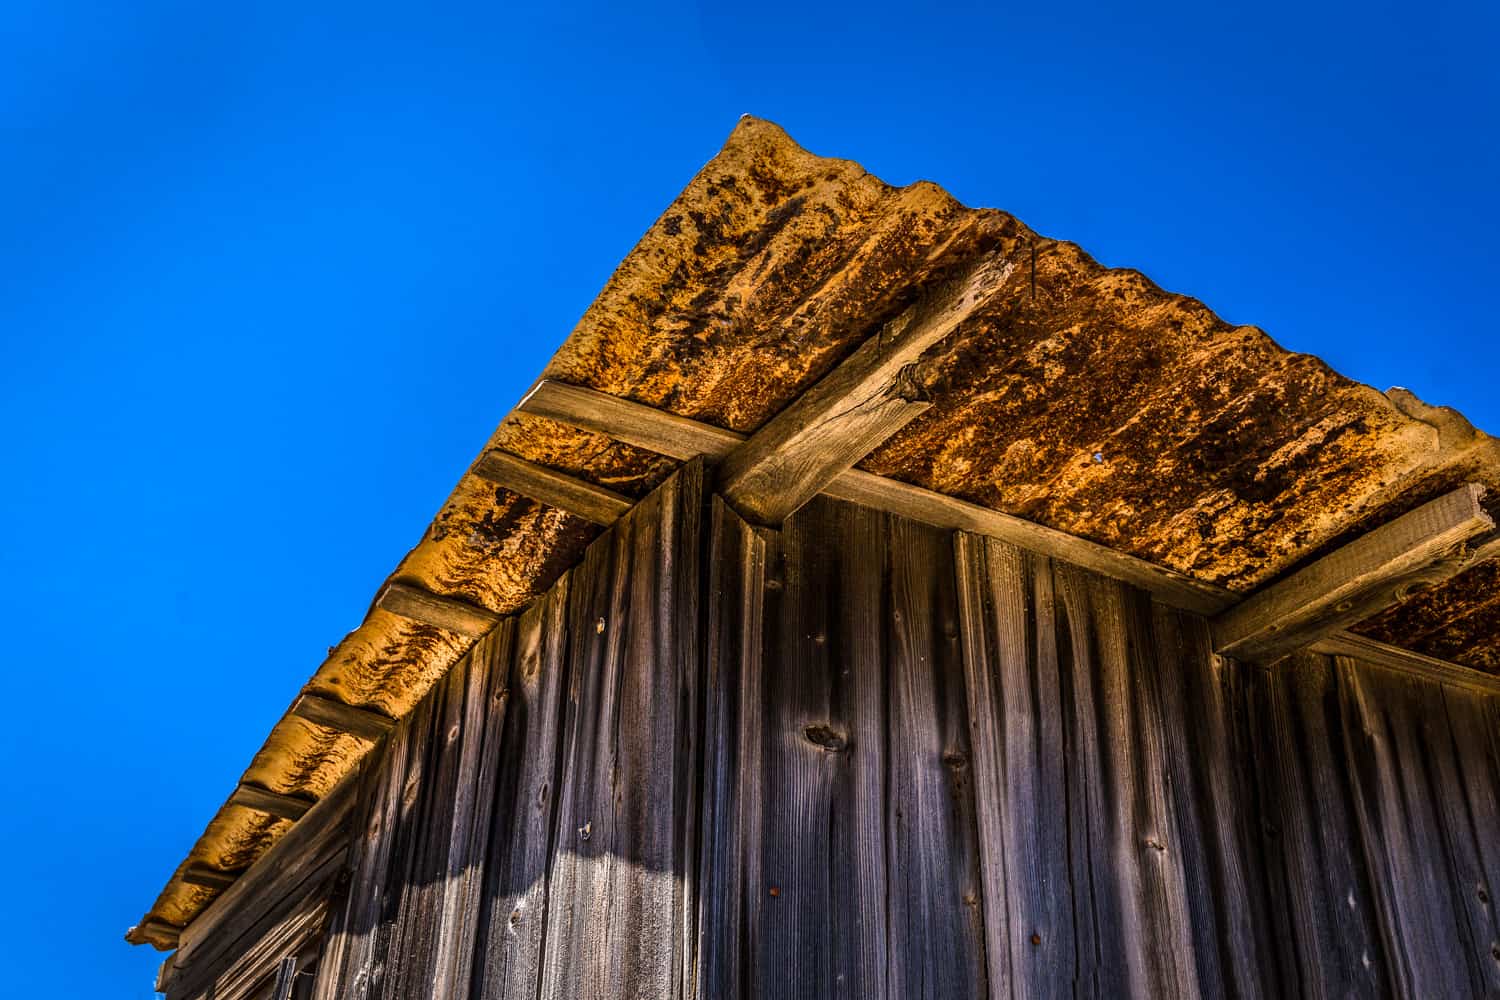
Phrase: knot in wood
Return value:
(826, 738)
(955, 760)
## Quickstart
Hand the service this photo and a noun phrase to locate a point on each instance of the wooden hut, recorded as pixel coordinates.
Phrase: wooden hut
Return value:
(874, 598)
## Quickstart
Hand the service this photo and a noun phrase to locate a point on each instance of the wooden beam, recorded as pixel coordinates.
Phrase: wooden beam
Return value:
(434, 609)
(1375, 571)
(579, 498)
(155, 932)
(361, 722)
(633, 423)
(938, 509)
(852, 409)
(273, 803)
(680, 437)
(198, 873)
(1383, 654)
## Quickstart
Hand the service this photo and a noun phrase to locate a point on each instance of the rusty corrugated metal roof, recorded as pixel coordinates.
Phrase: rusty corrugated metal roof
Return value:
(1084, 398)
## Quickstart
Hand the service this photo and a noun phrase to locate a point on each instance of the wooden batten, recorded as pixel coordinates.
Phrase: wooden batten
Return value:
(632, 423)
(155, 931)
(434, 609)
(1383, 654)
(852, 410)
(1377, 570)
(360, 722)
(579, 498)
(198, 873)
(269, 802)
(679, 437)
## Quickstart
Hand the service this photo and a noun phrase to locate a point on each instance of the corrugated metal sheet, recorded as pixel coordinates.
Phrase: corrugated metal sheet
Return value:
(1084, 398)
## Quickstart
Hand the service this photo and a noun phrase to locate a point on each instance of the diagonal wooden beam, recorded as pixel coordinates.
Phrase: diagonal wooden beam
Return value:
(1371, 573)
(361, 722)
(585, 500)
(681, 437)
(269, 802)
(852, 409)
(434, 609)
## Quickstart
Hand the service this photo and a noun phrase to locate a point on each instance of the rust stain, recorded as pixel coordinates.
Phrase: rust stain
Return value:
(1084, 398)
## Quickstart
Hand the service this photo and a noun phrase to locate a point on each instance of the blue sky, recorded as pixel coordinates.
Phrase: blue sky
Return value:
(270, 276)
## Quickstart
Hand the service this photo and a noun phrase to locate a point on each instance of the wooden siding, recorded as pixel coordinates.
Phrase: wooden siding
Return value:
(862, 757)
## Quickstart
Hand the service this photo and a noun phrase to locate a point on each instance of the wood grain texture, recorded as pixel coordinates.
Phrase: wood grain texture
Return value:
(861, 756)
(582, 499)
(854, 408)
(434, 609)
(1375, 571)
(367, 725)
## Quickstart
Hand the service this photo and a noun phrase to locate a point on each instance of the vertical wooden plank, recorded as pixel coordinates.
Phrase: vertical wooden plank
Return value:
(526, 772)
(1474, 726)
(620, 879)
(933, 883)
(477, 739)
(1396, 734)
(821, 926)
(1135, 909)
(1009, 632)
(1208, 765)
(732, 789)
(1323, 909)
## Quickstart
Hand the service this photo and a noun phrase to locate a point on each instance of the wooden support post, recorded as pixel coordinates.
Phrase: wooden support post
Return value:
(581, 499)
(434, 609)
(852, 409)
(198, 873)
(360, 722)
(1377, 570)
(273, 803)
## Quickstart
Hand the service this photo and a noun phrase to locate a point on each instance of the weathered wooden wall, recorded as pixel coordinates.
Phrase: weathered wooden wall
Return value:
(859, 757)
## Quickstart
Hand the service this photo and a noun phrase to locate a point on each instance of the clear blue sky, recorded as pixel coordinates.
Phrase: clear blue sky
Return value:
(268, 278)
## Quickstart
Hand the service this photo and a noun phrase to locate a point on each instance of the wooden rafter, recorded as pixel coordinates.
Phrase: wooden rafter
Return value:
(198, 873)
(360, 722)
(680, 437)
(269, 802)
(1371, 573)
(585, 500)
(852, 409)
(434, 609)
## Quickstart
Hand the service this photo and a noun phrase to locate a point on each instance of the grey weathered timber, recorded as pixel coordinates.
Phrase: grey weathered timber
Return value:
(1369, 574)
(286, 888)
(269, 802)
(577, 497)
(633, 423)
(208, 877)
(617, 905)
(678, 437)
(861, 756)
(852, 409)
(434, 609)
(1370, 651)
(360, 722)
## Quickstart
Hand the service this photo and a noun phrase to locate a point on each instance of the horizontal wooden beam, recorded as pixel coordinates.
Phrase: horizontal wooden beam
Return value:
(360, 722)
(269, 802)
(853, 409)
(683, 438)
(1383, 654)
(633, 423)
(198, 873)
(434, 609)
(567, 493)
(155, 932)
(1371, 573)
